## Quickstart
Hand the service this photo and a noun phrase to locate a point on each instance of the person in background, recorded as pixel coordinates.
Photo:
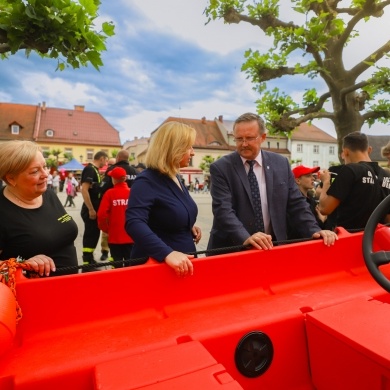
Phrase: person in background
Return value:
(91, 192)
(304, 178)
(161, 214)
(253, 191)
(33, 225)
(122, 161)
(140, 167)
(111, 216)
(70, 187)
(56, 182)
(104, 237)
(50, 181)
(357, 188)
(196, 187)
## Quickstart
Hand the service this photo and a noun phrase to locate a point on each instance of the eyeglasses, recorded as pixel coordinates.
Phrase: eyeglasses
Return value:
(247, 140)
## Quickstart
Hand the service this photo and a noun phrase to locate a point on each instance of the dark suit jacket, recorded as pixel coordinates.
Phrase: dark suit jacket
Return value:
(232, 203)
(159, 216)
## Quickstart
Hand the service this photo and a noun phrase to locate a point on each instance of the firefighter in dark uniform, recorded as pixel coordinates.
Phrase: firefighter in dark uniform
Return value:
(91, 186)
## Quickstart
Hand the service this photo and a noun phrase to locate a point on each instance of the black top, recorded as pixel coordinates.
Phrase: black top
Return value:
(46, 230)
(292, 228)
(91, 175)
(359, 190)
(131, 174)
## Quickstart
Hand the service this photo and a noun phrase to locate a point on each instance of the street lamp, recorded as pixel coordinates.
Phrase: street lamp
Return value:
(81, 158)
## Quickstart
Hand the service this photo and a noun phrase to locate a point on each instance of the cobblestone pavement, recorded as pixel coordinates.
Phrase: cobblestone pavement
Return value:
(204, 221)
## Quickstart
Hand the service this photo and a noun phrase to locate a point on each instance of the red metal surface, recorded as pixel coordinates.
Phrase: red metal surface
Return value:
(107, 329)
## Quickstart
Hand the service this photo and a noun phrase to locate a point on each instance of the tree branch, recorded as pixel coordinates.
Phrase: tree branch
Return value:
(369, 9)
(373, 57)
(375, 115)
(232, 16)
(266, 74)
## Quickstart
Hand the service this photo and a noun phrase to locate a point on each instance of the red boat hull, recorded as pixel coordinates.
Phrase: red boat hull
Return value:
(144, 328)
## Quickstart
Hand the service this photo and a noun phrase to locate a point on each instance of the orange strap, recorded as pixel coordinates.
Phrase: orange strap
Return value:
(7, 276)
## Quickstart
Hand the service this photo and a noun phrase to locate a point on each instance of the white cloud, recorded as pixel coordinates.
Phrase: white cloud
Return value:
(60, 93)
(185, 18)
(236, 99)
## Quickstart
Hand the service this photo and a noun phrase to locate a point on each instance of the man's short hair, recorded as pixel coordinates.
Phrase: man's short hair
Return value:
(99, 155)
(249, 117)
(356, 141)
(123, 155)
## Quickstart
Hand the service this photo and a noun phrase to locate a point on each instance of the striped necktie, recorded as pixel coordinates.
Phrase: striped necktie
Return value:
(256, 200)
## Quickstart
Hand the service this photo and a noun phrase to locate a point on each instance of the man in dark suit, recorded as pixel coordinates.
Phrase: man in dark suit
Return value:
(233, 205)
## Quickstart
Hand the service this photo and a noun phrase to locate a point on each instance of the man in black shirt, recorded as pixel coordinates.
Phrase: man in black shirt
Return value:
(91, 192)
(122, 160)
(358, 187)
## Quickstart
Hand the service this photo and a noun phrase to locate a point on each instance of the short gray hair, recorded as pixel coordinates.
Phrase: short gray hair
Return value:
(249, 117)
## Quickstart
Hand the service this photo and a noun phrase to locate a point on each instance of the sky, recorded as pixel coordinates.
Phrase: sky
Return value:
(165, 61)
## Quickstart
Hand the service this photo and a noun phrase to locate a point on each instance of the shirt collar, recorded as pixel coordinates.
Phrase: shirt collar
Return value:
(258, 159)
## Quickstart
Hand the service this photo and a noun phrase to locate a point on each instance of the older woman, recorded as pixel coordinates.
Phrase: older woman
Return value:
(161, 213)
(33, 225)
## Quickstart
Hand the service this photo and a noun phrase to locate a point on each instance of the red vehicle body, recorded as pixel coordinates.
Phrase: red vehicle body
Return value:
(300, 316)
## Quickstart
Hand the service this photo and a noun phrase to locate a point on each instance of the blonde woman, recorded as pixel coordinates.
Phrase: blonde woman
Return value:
(33, 225)
(161, 213)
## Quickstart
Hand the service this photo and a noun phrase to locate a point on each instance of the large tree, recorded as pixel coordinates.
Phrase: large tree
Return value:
(60, 29)
(314, 48)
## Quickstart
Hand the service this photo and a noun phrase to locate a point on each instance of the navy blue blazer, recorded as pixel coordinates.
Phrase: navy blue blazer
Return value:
(232, 203)
(159, 216)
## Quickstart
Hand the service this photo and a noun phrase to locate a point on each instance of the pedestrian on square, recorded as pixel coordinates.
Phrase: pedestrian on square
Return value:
(70, 187)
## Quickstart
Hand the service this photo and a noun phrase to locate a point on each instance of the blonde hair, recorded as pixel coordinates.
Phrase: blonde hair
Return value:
(168, 146)
(16, 156)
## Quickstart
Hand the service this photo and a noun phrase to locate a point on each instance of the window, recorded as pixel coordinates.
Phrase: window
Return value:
(316, 148)
(299, 148)
(269, 144)
(315, 163)
(89, 154)
(277, 145)
(68, 150)
(331, 149)
(214, 143)
(15, 129)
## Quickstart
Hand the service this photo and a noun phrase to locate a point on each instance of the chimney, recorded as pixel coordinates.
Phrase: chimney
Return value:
(204, 120)
(220, 118)
(79, 108)
(43, 106)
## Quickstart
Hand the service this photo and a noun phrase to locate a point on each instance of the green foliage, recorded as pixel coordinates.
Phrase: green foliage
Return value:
(60, 29)
(56, 153)
(206, 162)
(68, 156)
(51, 163)
(115, 152)
(312, 47)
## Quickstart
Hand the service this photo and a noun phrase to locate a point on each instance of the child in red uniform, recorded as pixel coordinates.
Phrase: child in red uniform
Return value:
(111, 216)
